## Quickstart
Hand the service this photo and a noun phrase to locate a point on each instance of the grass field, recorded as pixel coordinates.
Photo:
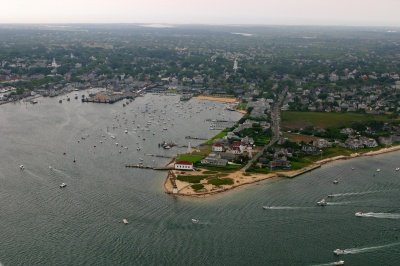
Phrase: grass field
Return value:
(293, 120)
(190, 158)
(299, 137)
(220, 135)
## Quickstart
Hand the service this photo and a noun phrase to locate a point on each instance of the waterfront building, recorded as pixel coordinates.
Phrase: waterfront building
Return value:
(184, 165)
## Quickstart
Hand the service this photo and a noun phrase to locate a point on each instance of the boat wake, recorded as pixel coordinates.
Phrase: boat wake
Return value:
(326, 264)
(381, 215)
(340, 203)
(368, 249)
(284, 208)
(356, 193)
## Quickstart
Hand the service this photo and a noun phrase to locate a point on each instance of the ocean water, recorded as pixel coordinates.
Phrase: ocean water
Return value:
(41, 224)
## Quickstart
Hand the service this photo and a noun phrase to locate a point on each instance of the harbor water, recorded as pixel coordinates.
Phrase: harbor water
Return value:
(76, 143)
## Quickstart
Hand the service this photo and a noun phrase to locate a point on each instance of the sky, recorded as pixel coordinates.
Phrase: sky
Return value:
(270, 12)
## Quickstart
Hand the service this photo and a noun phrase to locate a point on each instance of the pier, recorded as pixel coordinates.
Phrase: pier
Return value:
(197, 138)
(159, 156)
(140, 166)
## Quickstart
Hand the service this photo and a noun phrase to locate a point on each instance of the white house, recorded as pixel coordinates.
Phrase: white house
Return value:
(217, 147)
(183, 165)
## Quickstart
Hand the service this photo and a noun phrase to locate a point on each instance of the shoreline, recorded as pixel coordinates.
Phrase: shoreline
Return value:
(221, 99)
(243, 179)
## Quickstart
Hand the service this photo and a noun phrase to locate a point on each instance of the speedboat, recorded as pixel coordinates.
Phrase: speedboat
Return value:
(63, 185)
(359, 214)
(195, 221)
(338, 252)
(330, 196)
(322, 202)
(339, 262)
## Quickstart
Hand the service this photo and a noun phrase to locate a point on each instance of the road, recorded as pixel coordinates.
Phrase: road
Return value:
(275, 125)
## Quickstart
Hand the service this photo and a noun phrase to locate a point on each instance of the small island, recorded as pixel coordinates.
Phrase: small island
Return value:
(268, 143)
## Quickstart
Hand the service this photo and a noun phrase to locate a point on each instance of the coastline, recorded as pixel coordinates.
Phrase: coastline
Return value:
(242, 179)
(221, 99)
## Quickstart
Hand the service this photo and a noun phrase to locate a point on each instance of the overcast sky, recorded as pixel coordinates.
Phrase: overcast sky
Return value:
(283, 12)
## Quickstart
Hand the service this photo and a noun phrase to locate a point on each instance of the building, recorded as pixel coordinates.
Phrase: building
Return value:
(183, 165)
(217, 147)
(213, 159)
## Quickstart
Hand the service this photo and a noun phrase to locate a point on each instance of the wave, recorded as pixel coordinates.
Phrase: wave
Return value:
(356, 193)
(284, 208)
(382, 215)
(368, 249)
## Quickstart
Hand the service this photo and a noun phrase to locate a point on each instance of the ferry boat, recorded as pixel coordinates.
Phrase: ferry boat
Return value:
(63, 185)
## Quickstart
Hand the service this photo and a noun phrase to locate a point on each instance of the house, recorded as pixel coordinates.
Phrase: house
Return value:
(183, 165)
(311, 150)
(214, 159)
(280, 163)
(368, 142)
(322, 143)
(354, 144)
(217, 147)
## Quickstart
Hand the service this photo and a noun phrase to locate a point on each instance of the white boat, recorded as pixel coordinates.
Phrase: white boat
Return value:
(50, 167)
(322, 202)
(338, 252)
(335, 182)
(378, 170)
(126, 131)
(195, 221)
(339, 262)
(21, 167)
(359, 214)
(63, 185)
(397, 169)
(125, 221)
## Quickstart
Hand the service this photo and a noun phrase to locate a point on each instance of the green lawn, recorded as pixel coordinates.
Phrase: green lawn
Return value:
(292, 120)
(220, 135)
(227, 168)
(220, 181)
(191, 179)
(197, 186)
(190, 157)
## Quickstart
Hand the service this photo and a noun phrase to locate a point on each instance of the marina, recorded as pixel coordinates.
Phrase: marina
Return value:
(86, 217)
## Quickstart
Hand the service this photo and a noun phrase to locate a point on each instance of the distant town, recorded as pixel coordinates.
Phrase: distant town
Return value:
(307, 94)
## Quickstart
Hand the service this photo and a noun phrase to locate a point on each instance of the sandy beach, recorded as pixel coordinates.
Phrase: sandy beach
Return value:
(216, 99)
(241, 178)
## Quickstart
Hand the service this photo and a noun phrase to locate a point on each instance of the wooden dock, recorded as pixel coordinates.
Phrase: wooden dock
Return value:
(140, 166)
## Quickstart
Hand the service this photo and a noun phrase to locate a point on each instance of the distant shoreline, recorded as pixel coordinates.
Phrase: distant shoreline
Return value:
(241, 179)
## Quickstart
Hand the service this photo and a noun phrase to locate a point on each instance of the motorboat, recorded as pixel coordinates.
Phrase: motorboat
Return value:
(125, 221)
(397, 169)
(126, 131)
(322, 203)
(335, 182)
(359, 214)
(378, 170)
(63, 185)
(21, 167)
(338, 252)
(339, 262)
(195, 221)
